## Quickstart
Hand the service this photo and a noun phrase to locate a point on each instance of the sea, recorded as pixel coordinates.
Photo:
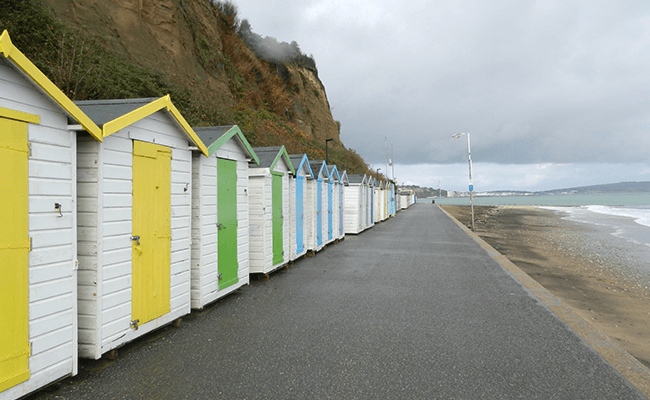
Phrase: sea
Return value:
(623, 217)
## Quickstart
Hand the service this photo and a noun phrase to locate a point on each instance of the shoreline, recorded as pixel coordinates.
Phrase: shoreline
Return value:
(579, 264)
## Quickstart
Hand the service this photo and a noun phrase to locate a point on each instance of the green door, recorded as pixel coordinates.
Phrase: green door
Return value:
(151, 240)
(278, 220)
(14, 254)
(227, 222)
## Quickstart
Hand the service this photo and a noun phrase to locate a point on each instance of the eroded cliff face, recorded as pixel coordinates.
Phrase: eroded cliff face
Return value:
(190, 44)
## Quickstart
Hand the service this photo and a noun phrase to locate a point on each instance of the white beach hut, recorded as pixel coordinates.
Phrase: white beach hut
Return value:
(220, 214)
(38, 226)
(317, 199)
(344, 182)
(333, 185)
(354, 214)
(300, 207)
(268, 197)
(134, 195)
(376, 212)
(368, 202)
(406, 199)
(392, 208)
(382, 199)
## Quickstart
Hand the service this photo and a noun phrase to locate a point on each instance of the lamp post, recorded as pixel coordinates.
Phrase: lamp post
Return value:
(326, 152)
(378, 169)
(471, 184)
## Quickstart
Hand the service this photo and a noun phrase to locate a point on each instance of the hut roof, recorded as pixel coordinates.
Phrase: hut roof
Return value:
(270, 156)
(319, 168)
(23, 65)
(333, 172)
(356, 178)
(113, 115)
(300, 161)
(344, 178)
(216, 136)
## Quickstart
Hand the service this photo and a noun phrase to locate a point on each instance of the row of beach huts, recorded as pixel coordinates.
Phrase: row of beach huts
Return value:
(117, 217)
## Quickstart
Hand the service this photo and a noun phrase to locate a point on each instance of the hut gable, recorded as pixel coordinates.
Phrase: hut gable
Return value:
(15, 59)
(301, 165)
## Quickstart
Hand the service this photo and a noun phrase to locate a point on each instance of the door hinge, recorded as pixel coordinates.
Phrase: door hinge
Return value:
(219, 225)
(134, 324)
(136, 239)
(219, 276)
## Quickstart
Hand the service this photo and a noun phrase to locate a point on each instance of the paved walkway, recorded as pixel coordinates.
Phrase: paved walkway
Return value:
(413, 308)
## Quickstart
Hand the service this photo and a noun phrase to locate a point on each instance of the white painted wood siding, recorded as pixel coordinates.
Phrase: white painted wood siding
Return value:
(352, 213)
(52, 276)
(260, 233)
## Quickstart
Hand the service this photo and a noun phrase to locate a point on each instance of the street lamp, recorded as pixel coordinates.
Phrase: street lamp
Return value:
(378, 169)
(471, 184)
(326, 153)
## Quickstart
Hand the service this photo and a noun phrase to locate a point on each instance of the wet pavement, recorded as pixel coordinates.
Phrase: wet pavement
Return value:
(413, 308)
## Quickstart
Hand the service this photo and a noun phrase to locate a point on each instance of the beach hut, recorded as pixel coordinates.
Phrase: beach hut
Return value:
(333, 184)
(392, 208)
(38, 226)
(317, 199)
(355, 202)
(382, 203)
(134, 205)
(300, 209)
(368, 202)
(220, 214)
(376, 202)
(268, 197)
(405, 199)
(370, 218)
(344, 183)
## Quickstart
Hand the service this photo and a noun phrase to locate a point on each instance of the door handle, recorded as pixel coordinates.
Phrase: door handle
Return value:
(219, 225)
(136, 239)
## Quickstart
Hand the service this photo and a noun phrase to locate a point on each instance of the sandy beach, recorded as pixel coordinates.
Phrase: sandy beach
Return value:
(583, 267)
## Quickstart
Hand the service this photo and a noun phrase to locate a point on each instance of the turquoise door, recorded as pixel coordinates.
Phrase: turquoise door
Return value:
(329, 210)
(227, 223)
(278, 219)
(319, 212)
(300, 216)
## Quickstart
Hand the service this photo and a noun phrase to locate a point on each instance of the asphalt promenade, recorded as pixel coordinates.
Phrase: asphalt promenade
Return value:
(413, 308)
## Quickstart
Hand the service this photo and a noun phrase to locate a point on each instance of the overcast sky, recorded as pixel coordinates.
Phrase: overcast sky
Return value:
(554, 93)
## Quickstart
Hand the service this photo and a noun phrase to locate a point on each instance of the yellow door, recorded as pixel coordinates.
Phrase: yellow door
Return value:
(14, 257)
(151, 240)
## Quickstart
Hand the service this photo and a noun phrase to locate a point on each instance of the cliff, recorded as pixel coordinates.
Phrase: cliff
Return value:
(191, 49)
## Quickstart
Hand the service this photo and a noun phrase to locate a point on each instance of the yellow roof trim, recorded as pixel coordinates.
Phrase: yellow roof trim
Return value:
(186, 127)
(125, 120)
(19, 116)
(165, 102)
(8, 50)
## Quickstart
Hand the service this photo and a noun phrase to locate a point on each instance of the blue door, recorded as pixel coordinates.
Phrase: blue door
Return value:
(319, 214)
(329, 210)
(300, 181)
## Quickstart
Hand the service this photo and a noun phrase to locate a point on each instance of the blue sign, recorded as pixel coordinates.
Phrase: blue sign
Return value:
(471, 188)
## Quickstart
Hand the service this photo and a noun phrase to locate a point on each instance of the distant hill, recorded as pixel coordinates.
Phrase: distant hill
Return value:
(621, 187)
(424, 192)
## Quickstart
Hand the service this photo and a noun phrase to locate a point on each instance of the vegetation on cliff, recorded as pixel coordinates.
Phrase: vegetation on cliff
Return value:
(275, 97)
